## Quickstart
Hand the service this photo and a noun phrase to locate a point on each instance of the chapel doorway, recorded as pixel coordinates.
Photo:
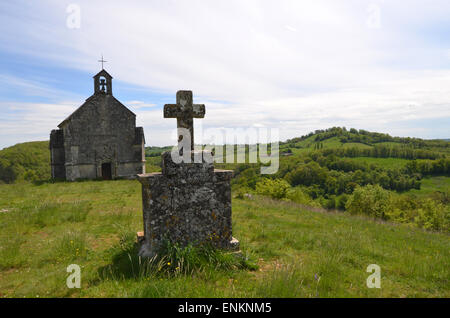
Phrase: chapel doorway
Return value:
(106, 171)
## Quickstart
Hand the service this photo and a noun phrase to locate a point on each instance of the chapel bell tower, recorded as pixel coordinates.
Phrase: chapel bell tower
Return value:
(103, 83)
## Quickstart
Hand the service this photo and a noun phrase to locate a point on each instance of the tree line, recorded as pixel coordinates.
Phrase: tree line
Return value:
(383, 151)
(368, 138)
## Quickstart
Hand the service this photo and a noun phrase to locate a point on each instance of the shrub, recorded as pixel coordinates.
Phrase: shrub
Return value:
(276, 188)
(297, 195)
(243, 192)
(433, 216)
(341, 200)
(331, 202)
(246, 176)
(399, 215)
(372, 200)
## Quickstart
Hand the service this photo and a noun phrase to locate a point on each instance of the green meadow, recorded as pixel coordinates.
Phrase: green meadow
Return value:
(431, 185)
(296, 252)
(340, 201)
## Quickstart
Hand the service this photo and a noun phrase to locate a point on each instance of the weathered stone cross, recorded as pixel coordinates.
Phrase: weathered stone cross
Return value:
(185, 112)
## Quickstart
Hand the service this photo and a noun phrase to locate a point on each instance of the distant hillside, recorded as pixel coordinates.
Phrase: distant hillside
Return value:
(31, 160)
(154, 151)
(405, 180)
(340, 136)
(26, 161)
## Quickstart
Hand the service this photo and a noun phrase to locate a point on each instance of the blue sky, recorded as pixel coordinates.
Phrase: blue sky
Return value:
(293, 65)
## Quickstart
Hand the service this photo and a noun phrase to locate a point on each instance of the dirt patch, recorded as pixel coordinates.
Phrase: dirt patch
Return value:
(269, 266)
(103, 243)
(42, 234)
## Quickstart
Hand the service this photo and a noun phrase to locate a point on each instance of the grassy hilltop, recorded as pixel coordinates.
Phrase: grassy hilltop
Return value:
(299, 252)
(341, 200)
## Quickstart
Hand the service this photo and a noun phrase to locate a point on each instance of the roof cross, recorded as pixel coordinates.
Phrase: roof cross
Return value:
(102, 61)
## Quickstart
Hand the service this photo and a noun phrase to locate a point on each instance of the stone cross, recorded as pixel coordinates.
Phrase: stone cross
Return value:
(185, 112)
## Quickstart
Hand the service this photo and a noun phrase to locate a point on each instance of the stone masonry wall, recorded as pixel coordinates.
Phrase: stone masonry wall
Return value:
(186, 203)
(102, 131)
(57, 154)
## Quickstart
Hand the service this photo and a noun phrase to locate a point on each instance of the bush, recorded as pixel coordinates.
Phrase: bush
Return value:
(276, 188)
(341, 201)
(433, 216)
(7, 172)
(243, 192)
(297, 195)
(372, 200)
(246, 176)
(399, 215)
(331, 202)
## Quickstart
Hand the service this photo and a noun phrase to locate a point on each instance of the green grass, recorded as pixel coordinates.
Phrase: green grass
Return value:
(432, 184)
(300, 253)
(355, 144)
(332, 142)
(389, 163)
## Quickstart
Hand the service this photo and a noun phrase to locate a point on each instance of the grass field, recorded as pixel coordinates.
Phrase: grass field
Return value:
(389, 163)
(432, 184)
(300, 253)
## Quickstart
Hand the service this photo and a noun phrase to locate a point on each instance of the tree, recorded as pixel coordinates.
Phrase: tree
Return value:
(275, 188)
(372, 200)
(308, 174)
(7, 173)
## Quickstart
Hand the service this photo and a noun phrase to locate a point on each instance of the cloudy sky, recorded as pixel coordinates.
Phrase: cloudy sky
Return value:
(293, 65)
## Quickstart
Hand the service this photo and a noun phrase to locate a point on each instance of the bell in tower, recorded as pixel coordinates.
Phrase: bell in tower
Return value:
(103, 83)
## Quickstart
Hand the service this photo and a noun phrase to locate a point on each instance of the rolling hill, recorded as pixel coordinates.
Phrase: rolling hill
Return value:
(326, 168)
(29, 161)
(341, 200)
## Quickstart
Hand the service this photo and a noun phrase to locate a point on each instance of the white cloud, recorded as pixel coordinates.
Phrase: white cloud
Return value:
(22, 122)
(297, 65)
(290, 28)
(137, 104)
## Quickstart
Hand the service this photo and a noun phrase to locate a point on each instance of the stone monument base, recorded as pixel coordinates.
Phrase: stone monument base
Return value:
(186, 203)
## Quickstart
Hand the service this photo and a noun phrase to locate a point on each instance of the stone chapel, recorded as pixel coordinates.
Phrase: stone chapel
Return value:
(99, 139)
